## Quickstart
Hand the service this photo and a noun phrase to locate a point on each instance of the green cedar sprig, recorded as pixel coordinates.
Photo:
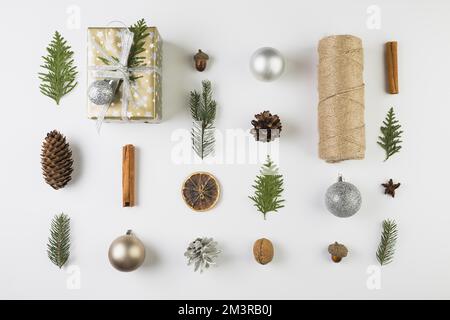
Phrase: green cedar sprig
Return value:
(386, 248)
(60, 75)
(268, 189)
(58, 247)
(203, 111)
(391, 134)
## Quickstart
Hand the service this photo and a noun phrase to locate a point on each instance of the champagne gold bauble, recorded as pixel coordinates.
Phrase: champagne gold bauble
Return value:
(126, 253)
(201, 191)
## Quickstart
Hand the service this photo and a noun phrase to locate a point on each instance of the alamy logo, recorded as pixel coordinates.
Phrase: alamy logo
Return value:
(373, 21)
(73, 21)
(73, 281)
(374, 280)
(233, 146)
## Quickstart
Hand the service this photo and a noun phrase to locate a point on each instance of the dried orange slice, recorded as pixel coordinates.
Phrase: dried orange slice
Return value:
(201, 191)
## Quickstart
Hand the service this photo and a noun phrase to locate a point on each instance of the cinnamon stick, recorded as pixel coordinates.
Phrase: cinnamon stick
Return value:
(392, 66)
(128, 176)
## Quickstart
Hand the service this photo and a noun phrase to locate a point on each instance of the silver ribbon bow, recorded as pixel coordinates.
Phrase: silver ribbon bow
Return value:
(117, 70)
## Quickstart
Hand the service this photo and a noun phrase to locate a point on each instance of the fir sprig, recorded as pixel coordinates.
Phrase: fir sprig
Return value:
(268, 189)
(386, 248)
(139, 29)
(391, 134)
(60, 75)
(203, 111)
(135, 58)
(58, 247)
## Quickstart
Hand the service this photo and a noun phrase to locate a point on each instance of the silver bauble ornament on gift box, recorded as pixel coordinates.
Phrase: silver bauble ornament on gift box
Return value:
(343, 199)
(267, 64)
(126, 253)
(101, 92)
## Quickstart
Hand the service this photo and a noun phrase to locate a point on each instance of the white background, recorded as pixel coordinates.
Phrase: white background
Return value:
(229, 31)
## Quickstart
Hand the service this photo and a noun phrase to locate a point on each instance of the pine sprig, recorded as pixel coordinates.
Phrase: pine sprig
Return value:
(135, 59)
(391, 134)
(386, 248)
(203, 111)
(58, 247)
(268, 189)
(60, 75)
(203, 138)
(139, 29)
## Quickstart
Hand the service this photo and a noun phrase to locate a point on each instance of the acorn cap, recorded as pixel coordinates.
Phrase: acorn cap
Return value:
(201, 55)
(337, 250)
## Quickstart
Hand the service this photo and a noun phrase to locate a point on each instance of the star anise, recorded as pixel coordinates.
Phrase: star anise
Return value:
(389, 188)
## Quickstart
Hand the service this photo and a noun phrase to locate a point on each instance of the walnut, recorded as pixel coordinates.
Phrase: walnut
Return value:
(263, 251)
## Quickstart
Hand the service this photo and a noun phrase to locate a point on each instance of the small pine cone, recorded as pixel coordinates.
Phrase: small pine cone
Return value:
(56, 160)
(265, 120)
(270, 125)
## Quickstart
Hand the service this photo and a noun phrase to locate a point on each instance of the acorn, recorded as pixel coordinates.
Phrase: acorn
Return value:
(337, 251)
(201, 60)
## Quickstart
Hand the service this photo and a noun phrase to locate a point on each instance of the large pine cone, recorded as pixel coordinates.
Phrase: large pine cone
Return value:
(56, 160)
(270, 126)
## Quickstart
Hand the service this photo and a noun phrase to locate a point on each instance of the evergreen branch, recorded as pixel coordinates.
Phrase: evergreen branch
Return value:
(208, 105)
(203, 111)
(139, 29)
(386, 248)
(60, 76)
(135, 59)
(106, 61)
(58, 247)
(194, 103)
(268, 189)
(391, 134)
(203, 138)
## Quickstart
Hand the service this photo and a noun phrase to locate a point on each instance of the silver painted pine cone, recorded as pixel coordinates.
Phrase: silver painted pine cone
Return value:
(202, 252)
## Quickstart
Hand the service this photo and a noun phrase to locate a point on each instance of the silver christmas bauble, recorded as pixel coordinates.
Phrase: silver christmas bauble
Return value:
(343, 199)
(126, 253)
(267, 64)
(101, 92)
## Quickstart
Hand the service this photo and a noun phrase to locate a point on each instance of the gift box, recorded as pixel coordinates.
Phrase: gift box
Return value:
(137, 91)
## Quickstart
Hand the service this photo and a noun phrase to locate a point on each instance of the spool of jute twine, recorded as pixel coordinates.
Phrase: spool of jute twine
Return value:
(341, 98)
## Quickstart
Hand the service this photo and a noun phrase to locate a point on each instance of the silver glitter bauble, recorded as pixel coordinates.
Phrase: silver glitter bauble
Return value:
(267, 64)
(126, 253)
(101, 92)
(343, 199)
